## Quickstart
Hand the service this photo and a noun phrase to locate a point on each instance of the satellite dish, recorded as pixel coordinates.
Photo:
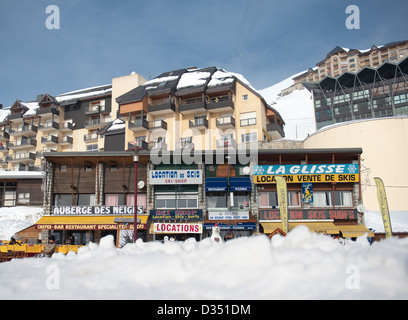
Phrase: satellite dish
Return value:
(246, 170)
(360, 208)
(140, 184)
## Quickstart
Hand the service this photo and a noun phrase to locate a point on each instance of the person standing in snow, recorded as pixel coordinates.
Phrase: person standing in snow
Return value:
(13, 241)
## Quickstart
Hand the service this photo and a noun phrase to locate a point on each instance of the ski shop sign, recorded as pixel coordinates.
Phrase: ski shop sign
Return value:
(178, 228)
(171, 177)
(191, 214)
(94, 210)
(304, 173)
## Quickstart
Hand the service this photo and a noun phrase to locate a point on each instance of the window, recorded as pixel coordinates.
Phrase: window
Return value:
(270, 199)
(24, 198)
(325, 199)
(92, 148)
(63, 167)
(179, 201)
(248, 119)
(249, 137)
(216, 200)
(245, 97)
(240, 200)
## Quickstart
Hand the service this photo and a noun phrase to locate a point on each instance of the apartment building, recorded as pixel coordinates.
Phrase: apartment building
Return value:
(341, 60)
(369, 93)
(67, 122)
(201, 109)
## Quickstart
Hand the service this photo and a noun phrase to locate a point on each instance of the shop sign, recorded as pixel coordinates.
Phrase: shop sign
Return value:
(303, 173)
(310, 214)
(187, 214)
(94, 210)
(307, 192)
(238, 226)
(167, 177)
(178, 228)
(228, 214)
(92, 227)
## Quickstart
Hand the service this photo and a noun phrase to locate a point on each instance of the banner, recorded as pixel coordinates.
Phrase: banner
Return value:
(309, 214)
(307, 192)
(283, 202)
(304, 173)
(382, 201)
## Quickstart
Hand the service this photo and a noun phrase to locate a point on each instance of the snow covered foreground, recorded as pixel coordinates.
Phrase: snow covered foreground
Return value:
(301, 266)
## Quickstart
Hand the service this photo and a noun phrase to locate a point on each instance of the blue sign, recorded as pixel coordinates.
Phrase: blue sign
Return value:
(301, 169)
(307, 192)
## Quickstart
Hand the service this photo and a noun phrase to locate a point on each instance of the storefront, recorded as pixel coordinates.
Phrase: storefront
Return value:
(228, 201)
(90, 195)
(176, 225)
(80, 225)
(323, 191)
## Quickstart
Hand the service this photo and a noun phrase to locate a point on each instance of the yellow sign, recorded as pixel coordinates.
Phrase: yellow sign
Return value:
(382, 201)
(283, 202)
(302, 178)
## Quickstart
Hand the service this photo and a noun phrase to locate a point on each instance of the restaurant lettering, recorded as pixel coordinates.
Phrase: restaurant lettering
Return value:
(93, 227)
(310, 214)
(93, 210)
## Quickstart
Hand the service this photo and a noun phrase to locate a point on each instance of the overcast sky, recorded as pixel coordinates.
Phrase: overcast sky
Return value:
(264, 40)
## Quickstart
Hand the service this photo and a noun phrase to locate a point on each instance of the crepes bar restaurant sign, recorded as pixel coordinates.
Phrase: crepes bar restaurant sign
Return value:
(309, 214)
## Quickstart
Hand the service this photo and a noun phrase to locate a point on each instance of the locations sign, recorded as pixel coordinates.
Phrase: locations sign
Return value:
(307, 173)
(178, 228)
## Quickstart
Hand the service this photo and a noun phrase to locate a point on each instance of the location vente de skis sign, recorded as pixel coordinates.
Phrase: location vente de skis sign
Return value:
(307, 173)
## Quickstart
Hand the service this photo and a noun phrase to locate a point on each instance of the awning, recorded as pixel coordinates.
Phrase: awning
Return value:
(318, 227)
(240, 184)
(215, 184)
(354, 231)
(83, 223)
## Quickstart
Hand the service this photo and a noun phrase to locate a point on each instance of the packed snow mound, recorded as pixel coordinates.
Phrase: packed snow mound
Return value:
(302, 265)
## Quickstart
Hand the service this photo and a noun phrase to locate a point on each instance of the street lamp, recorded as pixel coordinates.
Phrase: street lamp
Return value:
(135, 161)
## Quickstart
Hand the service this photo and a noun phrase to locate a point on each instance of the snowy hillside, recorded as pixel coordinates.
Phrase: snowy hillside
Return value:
(296, 108)
(15, 219)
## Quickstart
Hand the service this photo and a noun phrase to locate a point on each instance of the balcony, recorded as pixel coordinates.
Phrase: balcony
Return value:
(275, 128)
(65, 141)
(66, 127)
(95, 109)
(28, 157)
(226, 143)
(49, 140)
(49, 126)
(91, 137)
(3, 149)
(139, 124)
(225, 123)
(138, 145)
(198, 123)
(161, 145)
(185, 144)
(190, 106)
(161, 109)
(96, 123)
(220, 104)
(4, 136)
(24, 143)
(47, 112)
(24, 130)
(158, 124)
